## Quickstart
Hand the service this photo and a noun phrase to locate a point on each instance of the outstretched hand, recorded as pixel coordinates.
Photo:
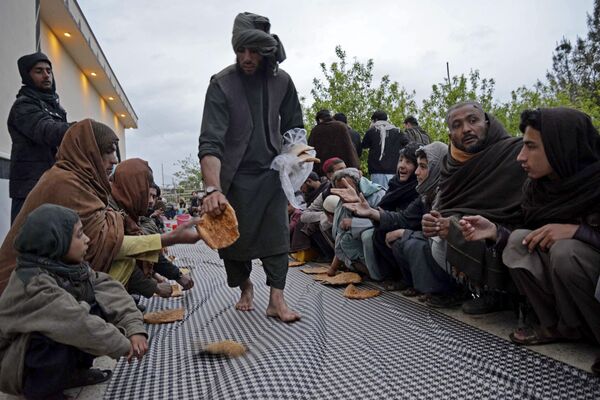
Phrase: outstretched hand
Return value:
(346, 192)
(183, 234)
(362, 209)
(476, 227)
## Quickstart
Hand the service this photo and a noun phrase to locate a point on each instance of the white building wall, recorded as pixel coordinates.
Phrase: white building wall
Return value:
(77, 96)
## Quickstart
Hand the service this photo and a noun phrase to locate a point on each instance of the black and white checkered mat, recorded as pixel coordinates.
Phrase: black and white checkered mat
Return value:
(381, 348)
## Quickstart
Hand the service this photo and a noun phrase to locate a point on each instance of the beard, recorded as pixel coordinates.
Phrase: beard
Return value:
(472, 148)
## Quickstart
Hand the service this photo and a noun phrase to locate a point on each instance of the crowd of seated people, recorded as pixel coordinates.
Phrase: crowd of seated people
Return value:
(488, 222)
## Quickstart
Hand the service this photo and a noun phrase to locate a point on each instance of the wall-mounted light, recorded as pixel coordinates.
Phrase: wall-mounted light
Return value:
(93, 74)
(67, 34)
(122, 115)
(111, 98)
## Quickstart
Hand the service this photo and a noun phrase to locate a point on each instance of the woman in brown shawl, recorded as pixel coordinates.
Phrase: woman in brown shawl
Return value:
(131, 184)
(79, 181)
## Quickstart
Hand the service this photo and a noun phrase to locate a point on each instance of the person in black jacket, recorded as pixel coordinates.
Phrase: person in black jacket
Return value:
(37, 124)
(384, 142)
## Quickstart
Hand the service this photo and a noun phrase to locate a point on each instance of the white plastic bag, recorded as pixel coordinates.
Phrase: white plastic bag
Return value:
(293, 171)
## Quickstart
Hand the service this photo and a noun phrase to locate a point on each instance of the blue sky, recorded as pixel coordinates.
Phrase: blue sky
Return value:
(165, 52)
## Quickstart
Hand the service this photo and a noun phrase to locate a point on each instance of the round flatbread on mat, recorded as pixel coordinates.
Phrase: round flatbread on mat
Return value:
(342, 278)
(292, 264)
(352, 292)
(315, 270)
(229, 348)
(164, 316)
(220, 231)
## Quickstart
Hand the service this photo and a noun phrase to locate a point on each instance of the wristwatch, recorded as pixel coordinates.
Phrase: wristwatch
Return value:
(211, 189)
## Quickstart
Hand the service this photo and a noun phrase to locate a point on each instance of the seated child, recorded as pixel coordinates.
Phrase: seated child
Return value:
(57, 314)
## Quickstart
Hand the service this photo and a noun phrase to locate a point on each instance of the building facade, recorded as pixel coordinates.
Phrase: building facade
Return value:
(85, 82)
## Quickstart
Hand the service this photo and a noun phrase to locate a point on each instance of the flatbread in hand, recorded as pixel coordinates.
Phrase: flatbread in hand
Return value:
(220, 231)
(165, 316)
(352, 292)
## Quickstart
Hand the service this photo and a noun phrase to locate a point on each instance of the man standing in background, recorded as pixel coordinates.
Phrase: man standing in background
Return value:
(37, 124)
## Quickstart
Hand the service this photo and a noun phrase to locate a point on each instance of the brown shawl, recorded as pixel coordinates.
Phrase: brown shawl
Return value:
(130, 189)
(77, 181)
(489, 183)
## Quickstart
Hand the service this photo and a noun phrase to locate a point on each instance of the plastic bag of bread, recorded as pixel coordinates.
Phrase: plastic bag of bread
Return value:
(294, 165)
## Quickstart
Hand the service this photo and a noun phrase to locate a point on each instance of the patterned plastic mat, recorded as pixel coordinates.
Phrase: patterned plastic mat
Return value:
(381, 348)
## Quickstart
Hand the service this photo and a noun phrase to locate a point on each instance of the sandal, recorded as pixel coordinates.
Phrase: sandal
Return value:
(531, 337)
(410, 292)
(87, 377)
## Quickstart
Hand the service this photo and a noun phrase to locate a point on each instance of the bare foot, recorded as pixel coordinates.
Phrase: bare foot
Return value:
(247, 296)
(278, 308)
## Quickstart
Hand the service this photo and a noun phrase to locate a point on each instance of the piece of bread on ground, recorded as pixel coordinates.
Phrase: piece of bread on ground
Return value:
(320, 277)
(227, 348)
(220, 231)
(352, 292)
(164, 316)
(177, 290)
(315, 270)
(342, 278)
(295, 263)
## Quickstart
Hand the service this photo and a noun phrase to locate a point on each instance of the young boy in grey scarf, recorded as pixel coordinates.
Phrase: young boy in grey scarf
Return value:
(57, 314)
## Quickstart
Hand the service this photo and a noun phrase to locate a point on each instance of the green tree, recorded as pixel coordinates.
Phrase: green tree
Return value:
(432, 115)
(574, 79)
(348, 87)
(189, 175)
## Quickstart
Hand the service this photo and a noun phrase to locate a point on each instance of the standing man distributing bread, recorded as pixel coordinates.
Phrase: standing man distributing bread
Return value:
(248, 106)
